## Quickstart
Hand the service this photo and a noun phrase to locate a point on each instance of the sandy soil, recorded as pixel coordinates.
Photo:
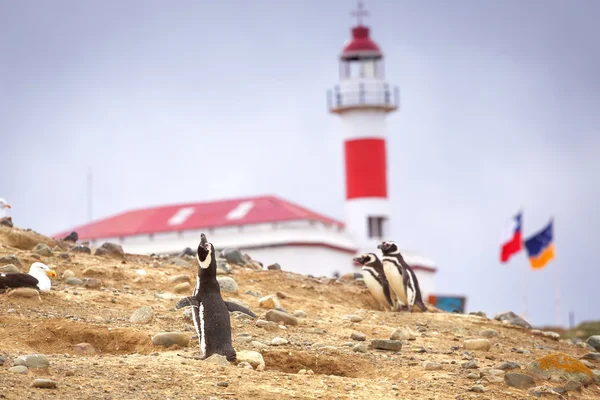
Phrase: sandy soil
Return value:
(126, 365)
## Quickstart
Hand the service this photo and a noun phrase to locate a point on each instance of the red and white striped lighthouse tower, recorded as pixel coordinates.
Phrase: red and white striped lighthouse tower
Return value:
(363, 99)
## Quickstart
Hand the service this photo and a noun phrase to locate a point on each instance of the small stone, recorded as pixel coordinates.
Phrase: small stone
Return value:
(81, 249)
(592, 356)
(227, 284)
(84, 348)
(402, 334)
(258, 345)
(594, 341)
(573, 386)
(561, 364)
(536, 332)
(551, 335)
(361, 337)
(179, 279)
(479, 314)
(277, 341)
(519, 380)
(18, 369)
(112, 250)
(24, 292)
(353, 318)
(488, 333)
(217, 359)
(267, 325)
(474, 375)
(223, 384)
(432, 366)
(245, 365)
(253, 358)
(393, 345)
(99, 271)
(281, 317)
(92, 283)
(508, 365)
(588, 364)
(33, 361)
(182, 287)
(300, 314)
(73, 281)
(477, 344)
(168, 339)
(359, 348)
(477, 389)
(512, 318)
(271, 301)
(44, 383)
(68, 274)
(142, 315)
(274, 267)
(11, 259)
(43, 250)
(8, 269)
(470, 365)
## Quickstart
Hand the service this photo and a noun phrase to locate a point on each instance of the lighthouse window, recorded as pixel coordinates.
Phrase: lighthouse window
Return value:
(368, 69)
(377, 227)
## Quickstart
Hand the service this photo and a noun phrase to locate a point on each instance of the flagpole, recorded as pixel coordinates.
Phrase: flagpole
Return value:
(556, 282)
(525, 293)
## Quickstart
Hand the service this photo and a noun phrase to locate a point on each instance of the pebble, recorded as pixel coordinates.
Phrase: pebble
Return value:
(588, 364)
(267, 325)
(432, 366)
(18, 369)
(359, 348)
(353, 318)
(536, 332)
(488, 333)
(227, 284)
(10, 268)
(474, 375)
(592, 356)
(470, 365)
(167, 339)
(477, 344)
(44, 383)
(245, 365)
(73, 281)
(278, 341)
(477, 389)
(182, 287)
(179, 279)
(594, 341)
(281, 317)
(33, 361)
(300, 314)
(81, 249)
(42, 249)
(11, 259)
(508, 365)
(258, 345)
(255, 359)
(142, 315)
(573, 386)
(551, 335)
(393, 345)
(512, 318)
(217, 359)
(359, 336)
(92, 283)
(271, 301)
(402, 334)
(519, 380)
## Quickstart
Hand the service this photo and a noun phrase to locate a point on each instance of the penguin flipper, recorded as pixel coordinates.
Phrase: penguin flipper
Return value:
(231, 307)
(187, 301)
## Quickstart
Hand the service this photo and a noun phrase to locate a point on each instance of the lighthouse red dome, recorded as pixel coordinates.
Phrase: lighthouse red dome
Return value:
(360, 44)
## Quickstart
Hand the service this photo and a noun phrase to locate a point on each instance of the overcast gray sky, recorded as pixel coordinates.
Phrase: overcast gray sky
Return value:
(190, 100)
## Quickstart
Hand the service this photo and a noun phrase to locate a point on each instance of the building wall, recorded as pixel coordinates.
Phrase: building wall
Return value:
(426, 282)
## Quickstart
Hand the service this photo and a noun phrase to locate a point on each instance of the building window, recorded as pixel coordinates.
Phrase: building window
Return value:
(377, 227)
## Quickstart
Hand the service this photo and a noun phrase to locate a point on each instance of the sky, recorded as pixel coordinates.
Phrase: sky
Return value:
(170, 102)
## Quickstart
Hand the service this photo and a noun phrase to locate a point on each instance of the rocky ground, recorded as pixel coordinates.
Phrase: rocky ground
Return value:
(109, 330)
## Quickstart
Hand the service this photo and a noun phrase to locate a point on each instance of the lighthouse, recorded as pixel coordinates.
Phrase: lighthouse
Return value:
(362, 99)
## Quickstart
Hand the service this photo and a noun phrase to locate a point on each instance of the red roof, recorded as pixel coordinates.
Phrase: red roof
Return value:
(190, 216)
(360, 43)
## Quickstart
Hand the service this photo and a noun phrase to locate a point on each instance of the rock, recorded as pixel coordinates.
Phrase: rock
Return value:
(588, 364)
(81, 249)
(393, 345)
(591, 356)
(519, 380)
(432, 366)
(142, 315)
(233, 256)
(536, 332)
(227, 284)
(18, 369)
(73, 281)
(359, 348)
(474, 375)
(183, 287)
(596, 373)
(274, 267)
(11, 259)
(477, 389)
(179, 279)
(402, 334)
(300, 314)
(258, 345)
(187, 252)
(507, 366)
(10, 268)
(92, 283)
(594, 341)
(353, 318)
(477, 344)
(277, 341)
(167, 339)
(72, 237)
(281, 317)
(112, 250)
(267, 325)
(562, 365)
(573, 386)
(33, 361)
(7, 221)
(361, 337)
(217, 359)
(488, 333)
(223, 268)
(84, 348)
(253, 358)
(270, 301)
(470, 365)
(42, 249)
(44, 383)
(24, 292)
(479, 314)
(98, 271)
(512, 318)
(68, 274)
(551, 335)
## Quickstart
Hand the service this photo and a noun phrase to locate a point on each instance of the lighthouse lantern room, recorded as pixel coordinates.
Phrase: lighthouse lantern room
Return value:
(363, 99)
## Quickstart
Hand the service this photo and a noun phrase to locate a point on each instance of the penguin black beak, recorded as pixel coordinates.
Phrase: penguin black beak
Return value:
(358, 260)
(380, 246)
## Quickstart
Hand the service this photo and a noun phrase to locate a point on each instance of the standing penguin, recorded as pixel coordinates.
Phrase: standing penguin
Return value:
(211, 317)
(401, 277)
(375, 279)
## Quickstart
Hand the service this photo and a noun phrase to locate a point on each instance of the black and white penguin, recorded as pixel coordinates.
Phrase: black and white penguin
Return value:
(211, 316)
(38, 278)
(401, 277)
(375, 279)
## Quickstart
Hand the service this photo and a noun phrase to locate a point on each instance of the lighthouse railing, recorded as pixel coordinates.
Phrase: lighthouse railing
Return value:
(363, 94)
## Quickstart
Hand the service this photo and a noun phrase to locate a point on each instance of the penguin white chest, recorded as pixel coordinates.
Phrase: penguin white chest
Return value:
(199, 325)
(395, 280)
(376, 289)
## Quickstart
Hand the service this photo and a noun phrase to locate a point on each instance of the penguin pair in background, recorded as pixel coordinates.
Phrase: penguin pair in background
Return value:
(401, 277)
(375, 280)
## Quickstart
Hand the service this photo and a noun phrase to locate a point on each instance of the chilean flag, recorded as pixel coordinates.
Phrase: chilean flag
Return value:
(514, 243)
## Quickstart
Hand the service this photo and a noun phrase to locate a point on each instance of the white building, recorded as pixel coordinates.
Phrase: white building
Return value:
(273, 230)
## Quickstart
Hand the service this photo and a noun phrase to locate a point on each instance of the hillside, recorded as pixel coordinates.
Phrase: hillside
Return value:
(96, 351)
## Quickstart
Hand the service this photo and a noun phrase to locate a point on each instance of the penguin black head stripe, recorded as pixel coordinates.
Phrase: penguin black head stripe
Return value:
(388, 247)
(365, 259)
